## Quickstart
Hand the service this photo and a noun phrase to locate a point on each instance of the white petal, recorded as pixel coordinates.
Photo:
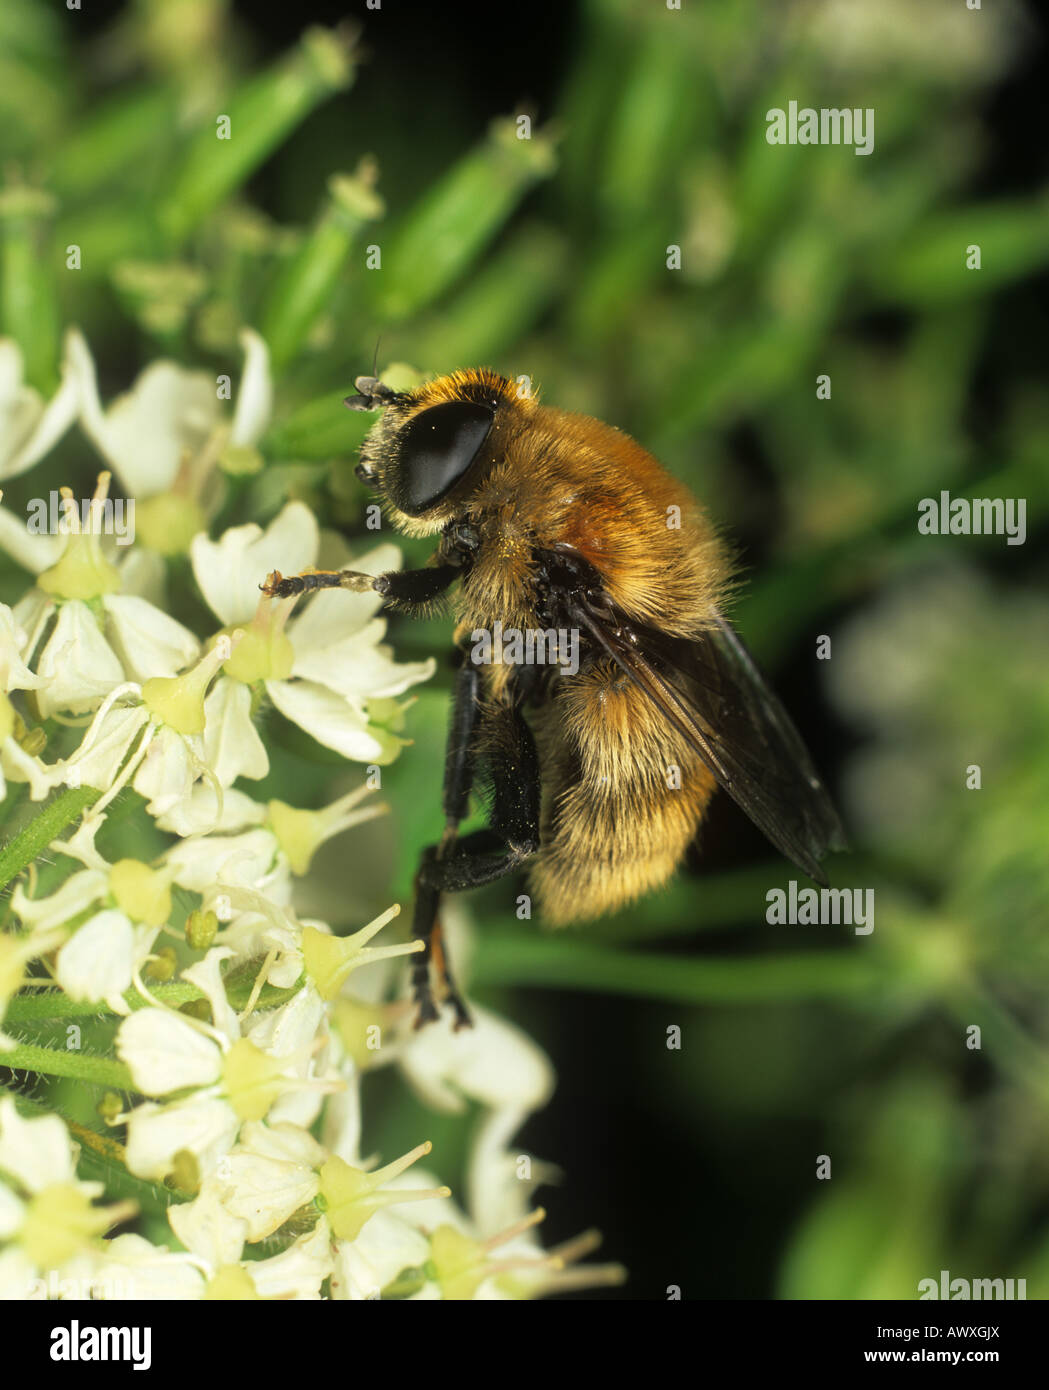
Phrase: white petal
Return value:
(264, 1192)
(232, 746)
(498, 1196)
(342, 1117)
(255, 933)
(33, 612)
(20, 766)
(255, 397)
(353, 1280)
(386, 1245)
(167, 772)
(206, 974)
(493, 1062)
(81, 845)
(200, 814)
(230, 570)
(131, 1268)
(18, 1276)
(360, 668)
(297, 1272)
(31, 551)
(35, 1152)
(291, 1031)
(166, 1053)
(297, 1107)
(14, 673)
(155, 1133)
(328, 718)
(12, 1212)
(80, 891)
(143, 573)
(208, 1229)
(283, 1143)
(78, 664)
(199, 863)
(148, 642)
(170, 411)
(28, 428)
(97, 961)
(99, 765)
(292, 1028)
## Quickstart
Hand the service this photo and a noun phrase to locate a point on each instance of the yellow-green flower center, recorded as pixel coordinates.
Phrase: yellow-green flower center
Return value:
(349, 1196)
(231, 1284)
(252, 1080)
(240, 460)
(460, 1263)
(328, 960)
(59, 1222)
(144, 894)
(178, 701)
(168, 522)
(299, 833)
(346, 1192)
(265, 653)
(82, 571)
(361, 1028)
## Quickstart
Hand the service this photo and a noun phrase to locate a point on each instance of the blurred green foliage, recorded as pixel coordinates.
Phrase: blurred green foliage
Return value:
(547, 256)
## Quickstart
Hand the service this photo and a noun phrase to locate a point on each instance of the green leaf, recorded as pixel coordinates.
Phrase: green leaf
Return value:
(261, 114)
(929, 268)
(453, 223)
(113, 140)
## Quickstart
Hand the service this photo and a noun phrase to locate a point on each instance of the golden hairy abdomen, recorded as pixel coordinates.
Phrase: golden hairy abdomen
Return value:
(623, 797)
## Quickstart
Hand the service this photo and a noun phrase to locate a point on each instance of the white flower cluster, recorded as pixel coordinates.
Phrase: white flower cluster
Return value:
(246, 1061)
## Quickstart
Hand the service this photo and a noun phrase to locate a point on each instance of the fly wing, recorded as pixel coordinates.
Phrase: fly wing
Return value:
(711, 690)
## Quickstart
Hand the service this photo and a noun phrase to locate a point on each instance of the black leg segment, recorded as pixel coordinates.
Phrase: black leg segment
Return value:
(459, 758)
(411, 588)
(511, 761)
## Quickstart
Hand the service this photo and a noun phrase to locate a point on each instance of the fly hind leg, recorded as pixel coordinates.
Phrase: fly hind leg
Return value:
(485, 855)
(458, 779)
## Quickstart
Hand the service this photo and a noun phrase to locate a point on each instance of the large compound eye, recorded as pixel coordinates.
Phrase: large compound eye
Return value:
(436, 448)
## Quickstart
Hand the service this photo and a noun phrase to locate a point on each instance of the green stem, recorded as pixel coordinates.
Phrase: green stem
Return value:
(31, 841)
(576, 965)
(27, 284)
(52, 1004)
(306, 287)
(262, 113)
(79, 1066)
